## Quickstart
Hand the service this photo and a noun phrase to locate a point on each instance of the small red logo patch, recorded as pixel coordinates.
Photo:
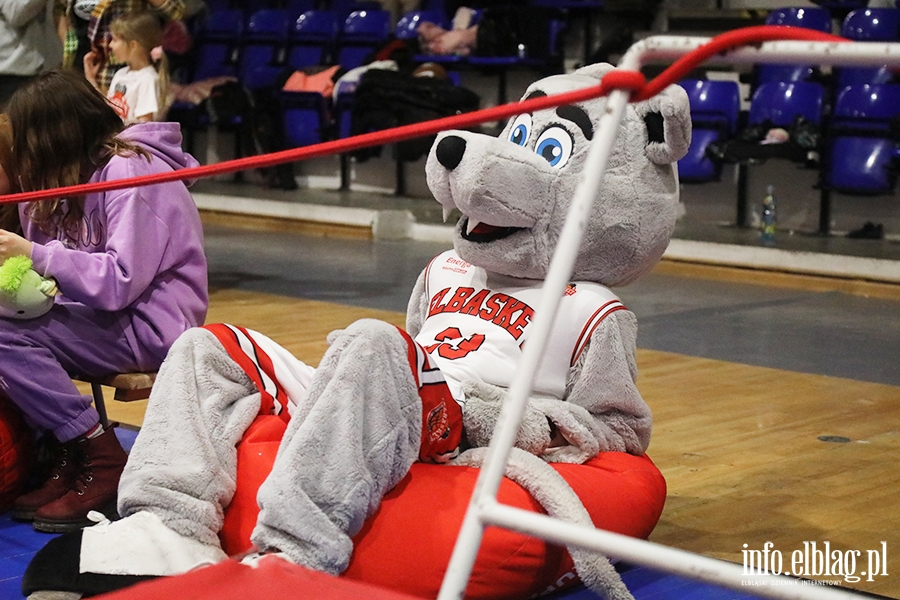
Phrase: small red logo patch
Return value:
(437, 423)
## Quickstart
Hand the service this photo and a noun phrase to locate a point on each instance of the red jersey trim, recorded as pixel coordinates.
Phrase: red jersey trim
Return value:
(244, 350)
(599, 315)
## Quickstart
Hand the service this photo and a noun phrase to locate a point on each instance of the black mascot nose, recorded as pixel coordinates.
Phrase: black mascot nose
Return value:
(450, 151)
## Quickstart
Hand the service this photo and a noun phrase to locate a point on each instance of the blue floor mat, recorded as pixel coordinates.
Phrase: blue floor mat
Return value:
(19, 542)
(649, 584)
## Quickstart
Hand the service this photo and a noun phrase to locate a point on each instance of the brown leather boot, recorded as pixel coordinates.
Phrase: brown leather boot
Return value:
(99, 464)
(62, 476)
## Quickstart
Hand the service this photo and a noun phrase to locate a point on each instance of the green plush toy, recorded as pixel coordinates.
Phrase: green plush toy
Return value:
(23, 293)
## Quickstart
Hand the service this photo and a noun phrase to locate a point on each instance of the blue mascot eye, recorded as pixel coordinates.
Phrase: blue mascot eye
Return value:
(555, 146)
(520, 135)
(520, 130)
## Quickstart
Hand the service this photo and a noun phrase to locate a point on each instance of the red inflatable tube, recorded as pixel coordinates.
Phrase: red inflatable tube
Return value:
(406, 545)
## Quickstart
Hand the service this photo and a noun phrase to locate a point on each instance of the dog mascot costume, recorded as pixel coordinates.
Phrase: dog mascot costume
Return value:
(383, 398)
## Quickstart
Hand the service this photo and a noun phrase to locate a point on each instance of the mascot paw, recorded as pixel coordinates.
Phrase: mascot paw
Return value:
(54, 572)
(482, 411)
(114, 555)
(333, 336)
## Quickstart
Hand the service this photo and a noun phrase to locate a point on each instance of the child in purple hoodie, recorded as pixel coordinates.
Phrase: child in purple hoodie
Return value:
(130, 267)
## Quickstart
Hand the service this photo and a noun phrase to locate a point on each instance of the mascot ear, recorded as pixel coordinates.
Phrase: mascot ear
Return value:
(595, 70)
(668, 119)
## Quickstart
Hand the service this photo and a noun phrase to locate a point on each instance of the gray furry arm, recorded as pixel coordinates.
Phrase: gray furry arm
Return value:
(417, 309)
(602, 410)
(602, 384)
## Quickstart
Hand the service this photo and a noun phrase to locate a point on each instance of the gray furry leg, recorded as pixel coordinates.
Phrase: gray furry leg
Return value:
(183, 465)
(353, 438)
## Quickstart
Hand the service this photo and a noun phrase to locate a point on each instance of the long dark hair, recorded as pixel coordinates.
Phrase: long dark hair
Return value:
(63, 130)
(9, 213)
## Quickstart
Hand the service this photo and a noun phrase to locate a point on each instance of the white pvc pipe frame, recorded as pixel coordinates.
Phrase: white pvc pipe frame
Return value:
(483, 509)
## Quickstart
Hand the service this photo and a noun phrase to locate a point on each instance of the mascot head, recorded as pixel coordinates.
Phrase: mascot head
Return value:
(514, 191)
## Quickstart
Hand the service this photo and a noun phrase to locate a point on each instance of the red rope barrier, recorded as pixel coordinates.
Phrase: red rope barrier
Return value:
(746, 36)
(615, 80)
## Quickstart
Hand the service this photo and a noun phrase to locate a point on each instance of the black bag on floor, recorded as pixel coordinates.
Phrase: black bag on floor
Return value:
(385, 99)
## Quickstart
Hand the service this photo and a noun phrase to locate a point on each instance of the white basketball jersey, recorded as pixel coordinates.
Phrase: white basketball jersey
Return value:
(478, 323)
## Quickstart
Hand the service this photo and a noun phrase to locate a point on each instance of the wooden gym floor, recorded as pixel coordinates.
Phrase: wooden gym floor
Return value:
(776, 399)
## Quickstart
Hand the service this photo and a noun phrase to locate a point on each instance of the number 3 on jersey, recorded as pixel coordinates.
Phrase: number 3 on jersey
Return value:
(452, 350)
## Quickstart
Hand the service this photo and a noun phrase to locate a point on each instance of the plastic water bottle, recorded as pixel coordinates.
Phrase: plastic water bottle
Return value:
(769, 219)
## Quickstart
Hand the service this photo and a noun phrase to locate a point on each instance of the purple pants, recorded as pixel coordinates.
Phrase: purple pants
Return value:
(39, 356)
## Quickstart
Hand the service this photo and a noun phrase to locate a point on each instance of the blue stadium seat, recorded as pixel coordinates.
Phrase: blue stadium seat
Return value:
(367, 25)
(295, 8)
(362, 32)
(862, 153)
(306, 118)
(264, 41)
(222, 24)
(344, 7)
(807, 17)
(861, 144)
(715, 108)
(872, 25)
(778, 72)
(216, 42)
(869, 25)
(782, 102)
(312, 38)
(267, 25)
(861, 75)
(408, 24)
(812, 17)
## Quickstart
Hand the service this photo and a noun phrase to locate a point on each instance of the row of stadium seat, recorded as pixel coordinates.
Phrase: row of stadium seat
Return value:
(855, 142)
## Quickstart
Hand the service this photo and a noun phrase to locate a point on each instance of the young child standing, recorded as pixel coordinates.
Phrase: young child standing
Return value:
(137, 90)
(88, 29)
(130, 267)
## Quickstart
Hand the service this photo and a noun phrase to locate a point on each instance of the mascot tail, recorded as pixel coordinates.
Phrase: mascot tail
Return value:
(559, 500)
